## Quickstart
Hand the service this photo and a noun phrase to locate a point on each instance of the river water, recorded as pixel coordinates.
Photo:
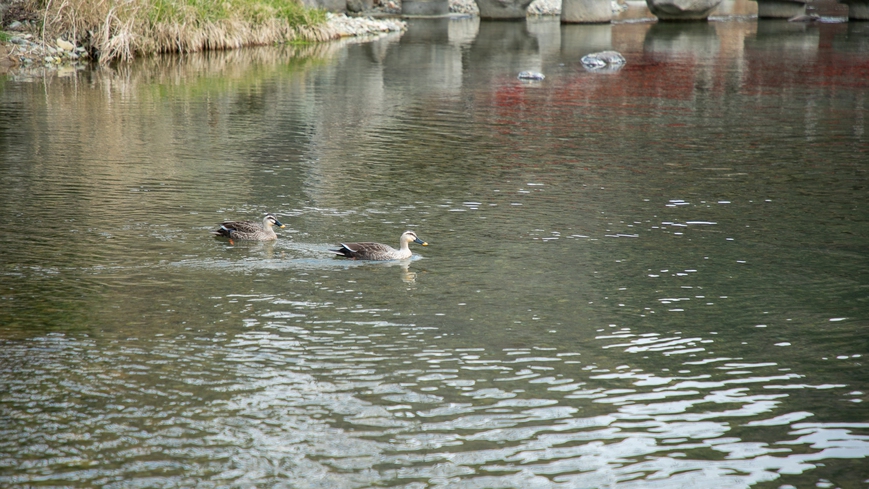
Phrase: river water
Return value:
(652, 277)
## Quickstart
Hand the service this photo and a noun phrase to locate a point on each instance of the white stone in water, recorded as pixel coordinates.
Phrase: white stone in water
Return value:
(531, 75)
(602, 59)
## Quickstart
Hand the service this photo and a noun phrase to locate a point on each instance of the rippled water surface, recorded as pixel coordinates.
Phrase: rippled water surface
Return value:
(653, 277)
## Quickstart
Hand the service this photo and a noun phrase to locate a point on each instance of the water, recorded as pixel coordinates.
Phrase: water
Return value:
(655, 277)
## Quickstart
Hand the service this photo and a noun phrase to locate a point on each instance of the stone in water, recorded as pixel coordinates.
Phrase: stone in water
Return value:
(603, 59)
(531, 75)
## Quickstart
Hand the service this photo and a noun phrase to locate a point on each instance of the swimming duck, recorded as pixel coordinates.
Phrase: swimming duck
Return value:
(377, 251)
(250, 230)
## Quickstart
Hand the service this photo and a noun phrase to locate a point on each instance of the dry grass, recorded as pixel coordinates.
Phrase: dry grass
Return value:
(122, 29)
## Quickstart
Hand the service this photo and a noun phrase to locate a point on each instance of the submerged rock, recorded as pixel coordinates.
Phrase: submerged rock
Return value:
(609, 60)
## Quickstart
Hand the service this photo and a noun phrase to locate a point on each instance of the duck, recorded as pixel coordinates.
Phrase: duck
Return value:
(250, 230)
(380, 252)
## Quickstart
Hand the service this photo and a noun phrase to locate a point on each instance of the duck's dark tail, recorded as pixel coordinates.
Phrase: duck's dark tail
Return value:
(344, 251)
(223, 231)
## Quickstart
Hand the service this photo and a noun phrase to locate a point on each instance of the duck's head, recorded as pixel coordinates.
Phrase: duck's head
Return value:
(271, 220)
(410, 236)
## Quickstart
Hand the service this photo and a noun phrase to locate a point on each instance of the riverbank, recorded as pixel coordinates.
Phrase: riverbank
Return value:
(80, 30)
(24, 48)
(25, 45)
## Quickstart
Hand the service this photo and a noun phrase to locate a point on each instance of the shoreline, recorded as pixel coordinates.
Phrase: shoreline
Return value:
(25, 51)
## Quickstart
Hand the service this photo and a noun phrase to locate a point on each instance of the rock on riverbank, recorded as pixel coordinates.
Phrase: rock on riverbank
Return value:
(345, 26)
(469, 7)
(25, 49)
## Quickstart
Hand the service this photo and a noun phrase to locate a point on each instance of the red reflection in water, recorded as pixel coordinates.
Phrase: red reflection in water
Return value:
(710, 79)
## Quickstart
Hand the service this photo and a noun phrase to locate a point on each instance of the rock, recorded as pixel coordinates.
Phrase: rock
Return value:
(65, 45)
(327, 5)
(586, 12)
(780, 9)
(468, 7)
(545, 7)
(857, 9)
(346, 26)
(503, 9)
(425, 8)
(604, 60)
(358, 5)
(682, 9)
(807, 18)
(531, 75)
(16, 26)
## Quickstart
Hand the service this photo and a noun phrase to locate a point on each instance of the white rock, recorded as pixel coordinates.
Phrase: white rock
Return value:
(531, 75)
(65, 45)
(604, 59)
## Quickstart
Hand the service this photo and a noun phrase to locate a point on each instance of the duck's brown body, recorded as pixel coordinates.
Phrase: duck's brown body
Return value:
(250, 230)
(378, 251)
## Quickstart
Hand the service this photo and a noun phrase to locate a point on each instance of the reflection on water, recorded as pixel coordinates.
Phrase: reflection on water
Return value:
(653, 277)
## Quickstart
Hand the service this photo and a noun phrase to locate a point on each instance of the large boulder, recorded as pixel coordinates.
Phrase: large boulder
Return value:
(328, 5)
(682, 9)
(586, 11)
(425, 8)
(780, 9)
(857, 9)
(503, 9)
(359, 5)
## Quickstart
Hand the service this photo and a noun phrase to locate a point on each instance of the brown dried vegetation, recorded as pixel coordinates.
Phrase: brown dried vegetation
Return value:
(121, 29)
